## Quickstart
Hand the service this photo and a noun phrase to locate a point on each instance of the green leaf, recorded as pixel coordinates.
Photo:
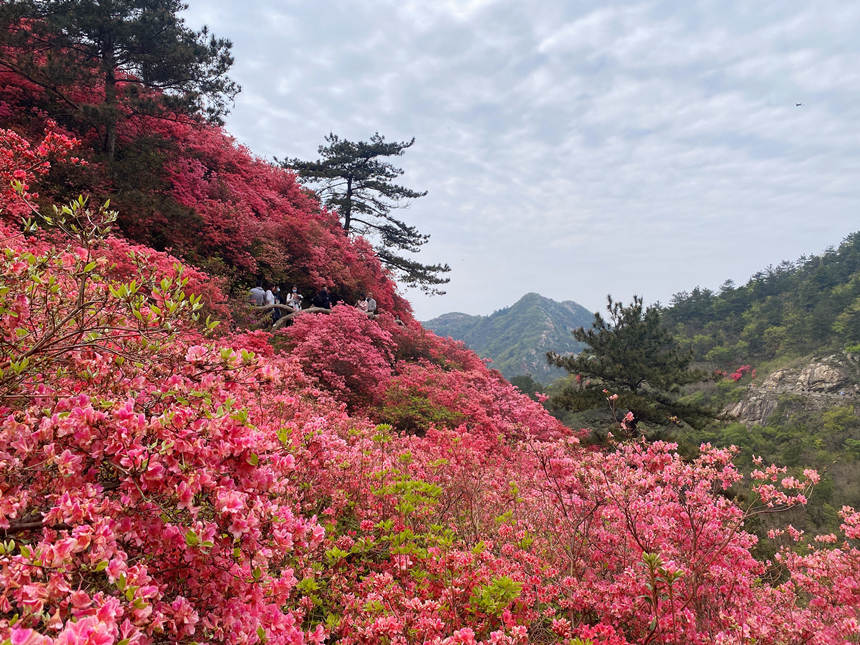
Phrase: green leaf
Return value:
(308, 586)
(191, 538)
(335, 555)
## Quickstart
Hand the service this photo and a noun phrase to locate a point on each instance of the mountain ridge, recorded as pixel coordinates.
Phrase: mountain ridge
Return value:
(516, 338)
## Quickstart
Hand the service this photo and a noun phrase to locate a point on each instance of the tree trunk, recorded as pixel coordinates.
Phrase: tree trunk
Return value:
(108, 68)
(347, 206)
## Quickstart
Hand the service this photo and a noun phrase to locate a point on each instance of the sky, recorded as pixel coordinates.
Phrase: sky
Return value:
(573, 148)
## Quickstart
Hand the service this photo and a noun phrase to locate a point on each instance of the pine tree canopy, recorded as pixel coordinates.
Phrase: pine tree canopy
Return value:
(352, 178)
(102, 59)
(633, 355)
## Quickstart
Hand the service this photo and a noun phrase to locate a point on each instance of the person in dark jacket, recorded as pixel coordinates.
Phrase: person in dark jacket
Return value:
(276, 313)
(322, 299)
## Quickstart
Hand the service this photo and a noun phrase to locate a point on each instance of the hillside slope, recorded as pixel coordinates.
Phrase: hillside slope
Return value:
(811, 306)
(518, 337)
(788, 341)
(187, 187)
(165, 485)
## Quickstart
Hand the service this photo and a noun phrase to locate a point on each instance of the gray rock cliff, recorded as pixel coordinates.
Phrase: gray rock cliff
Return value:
(818, 384)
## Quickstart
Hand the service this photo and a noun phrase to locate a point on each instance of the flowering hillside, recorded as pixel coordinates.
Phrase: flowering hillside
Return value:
(187, 187)
(345, 480)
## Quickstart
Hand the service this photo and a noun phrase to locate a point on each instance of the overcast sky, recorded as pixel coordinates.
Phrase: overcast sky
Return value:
(573, 148)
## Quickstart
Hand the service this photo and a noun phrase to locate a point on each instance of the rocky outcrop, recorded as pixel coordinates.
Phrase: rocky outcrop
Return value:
(832, 374)
(818, 384)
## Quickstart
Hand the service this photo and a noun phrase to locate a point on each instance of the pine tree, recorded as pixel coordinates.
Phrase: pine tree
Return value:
(351, 178)
(137, 54)
(633, 355)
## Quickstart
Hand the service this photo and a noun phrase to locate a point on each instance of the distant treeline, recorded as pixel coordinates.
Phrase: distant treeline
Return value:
(796, 308)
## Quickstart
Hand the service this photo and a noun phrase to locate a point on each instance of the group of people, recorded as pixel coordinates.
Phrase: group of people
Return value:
(366, 304)
(265, 295)
(271, 295)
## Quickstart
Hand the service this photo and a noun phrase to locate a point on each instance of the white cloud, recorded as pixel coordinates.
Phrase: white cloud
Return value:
(460, 10)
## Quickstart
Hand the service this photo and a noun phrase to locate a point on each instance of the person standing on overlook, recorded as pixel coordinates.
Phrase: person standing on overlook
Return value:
(276, 313)
(268, 300)
(322, 299)
(257, 295)
(294, 299)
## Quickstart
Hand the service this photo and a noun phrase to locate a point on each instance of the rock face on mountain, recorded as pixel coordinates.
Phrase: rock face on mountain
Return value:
(819, 384)
(518, 337)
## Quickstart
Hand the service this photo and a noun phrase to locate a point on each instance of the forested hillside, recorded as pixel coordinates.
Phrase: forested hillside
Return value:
(518, 337)
(169, 475)
(797, 308)
(788, 342)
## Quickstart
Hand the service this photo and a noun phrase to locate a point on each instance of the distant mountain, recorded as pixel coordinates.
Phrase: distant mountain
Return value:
(518, 337)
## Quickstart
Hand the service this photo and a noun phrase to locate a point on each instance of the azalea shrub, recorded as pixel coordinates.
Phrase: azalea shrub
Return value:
(348, 352)
(116, 527)
(414, 344)
(425, 395)
(23, 162)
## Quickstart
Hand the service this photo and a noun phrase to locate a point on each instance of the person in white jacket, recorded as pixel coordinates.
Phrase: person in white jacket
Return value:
(294, 299)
